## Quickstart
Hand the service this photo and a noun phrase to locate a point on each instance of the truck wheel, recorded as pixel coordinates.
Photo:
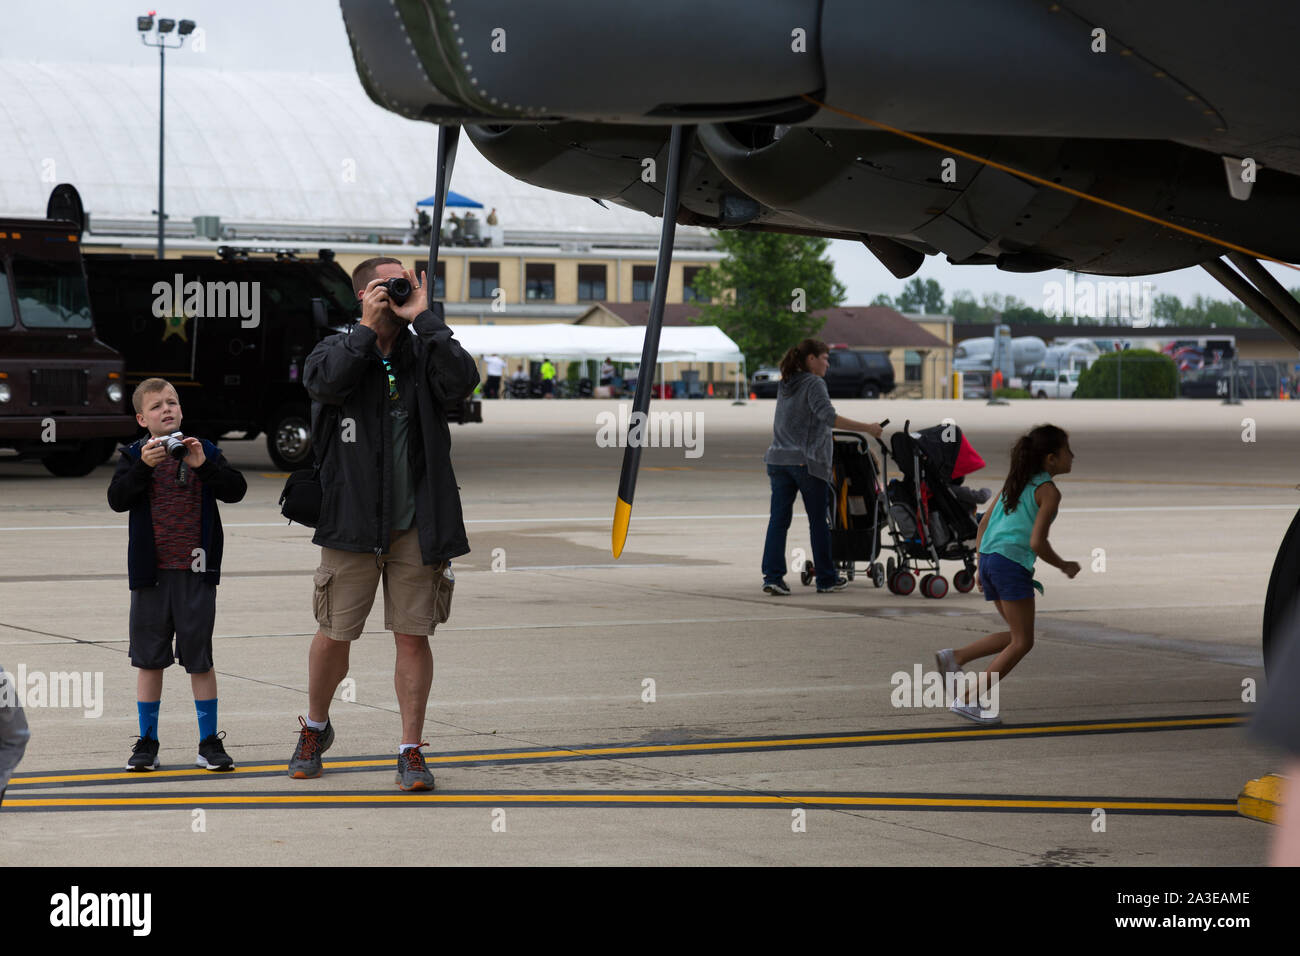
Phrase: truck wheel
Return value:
(288, 439)
(869, 390)
(75, 462)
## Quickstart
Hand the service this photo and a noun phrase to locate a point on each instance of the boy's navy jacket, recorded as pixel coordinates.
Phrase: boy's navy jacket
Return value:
(129, 491)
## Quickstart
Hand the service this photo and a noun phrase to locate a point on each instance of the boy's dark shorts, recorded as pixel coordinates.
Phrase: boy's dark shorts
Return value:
(183, 603)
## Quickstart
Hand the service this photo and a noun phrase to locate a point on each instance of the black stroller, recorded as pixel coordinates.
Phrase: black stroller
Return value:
(926, 520)
(857, 510)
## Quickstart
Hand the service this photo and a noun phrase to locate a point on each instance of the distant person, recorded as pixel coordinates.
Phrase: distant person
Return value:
(607, 372)
(799, 463)
(14, 733)
(391, 508)
(996, 382)
(548, 378)
(495, 366)
(1012, 534)
(492, 217)
(173, 562)
(519, 383)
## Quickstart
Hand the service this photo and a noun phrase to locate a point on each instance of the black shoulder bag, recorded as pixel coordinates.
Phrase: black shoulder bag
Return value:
(300, 500)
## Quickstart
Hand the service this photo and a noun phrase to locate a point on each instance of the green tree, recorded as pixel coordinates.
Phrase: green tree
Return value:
(779, 282)
(882, 299)
(918, 296)
(1137, 373)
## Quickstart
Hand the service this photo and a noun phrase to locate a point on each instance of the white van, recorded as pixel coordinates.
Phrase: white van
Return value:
(1051, 383)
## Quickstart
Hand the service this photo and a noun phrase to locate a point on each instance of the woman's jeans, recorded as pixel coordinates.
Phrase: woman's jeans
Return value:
(788, 480)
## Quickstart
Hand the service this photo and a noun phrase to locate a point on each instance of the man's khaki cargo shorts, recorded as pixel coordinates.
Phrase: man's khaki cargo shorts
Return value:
(417, 596)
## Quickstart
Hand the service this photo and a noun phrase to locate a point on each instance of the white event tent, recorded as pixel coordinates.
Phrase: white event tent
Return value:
(697, 343)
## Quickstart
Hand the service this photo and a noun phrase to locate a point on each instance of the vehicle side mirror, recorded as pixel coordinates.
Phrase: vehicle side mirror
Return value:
(319, 314)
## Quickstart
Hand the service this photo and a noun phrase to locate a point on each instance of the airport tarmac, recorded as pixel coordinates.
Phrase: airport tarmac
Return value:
(770, 736)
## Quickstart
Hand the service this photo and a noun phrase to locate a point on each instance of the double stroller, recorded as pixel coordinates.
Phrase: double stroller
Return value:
(927, 512)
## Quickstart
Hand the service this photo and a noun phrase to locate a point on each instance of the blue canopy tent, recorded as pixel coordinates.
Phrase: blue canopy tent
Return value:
(453, 199)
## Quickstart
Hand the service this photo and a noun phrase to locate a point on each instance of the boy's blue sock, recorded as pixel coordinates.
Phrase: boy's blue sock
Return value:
(147, 711)
(207, 712)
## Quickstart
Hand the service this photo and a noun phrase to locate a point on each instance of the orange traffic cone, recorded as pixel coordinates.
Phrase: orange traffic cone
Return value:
(753, 396)
(710, 390)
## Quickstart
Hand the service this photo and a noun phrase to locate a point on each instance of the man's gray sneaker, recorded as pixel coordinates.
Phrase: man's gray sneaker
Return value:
(305, 764)
(412, 774)
(840, 584)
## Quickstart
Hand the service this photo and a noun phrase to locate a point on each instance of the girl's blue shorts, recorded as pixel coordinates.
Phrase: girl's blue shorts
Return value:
(1004, 579)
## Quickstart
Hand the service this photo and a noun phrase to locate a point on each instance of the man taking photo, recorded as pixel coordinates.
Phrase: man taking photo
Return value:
(390, 507)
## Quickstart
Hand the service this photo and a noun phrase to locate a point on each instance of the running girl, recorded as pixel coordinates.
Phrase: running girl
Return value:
(1012, 533)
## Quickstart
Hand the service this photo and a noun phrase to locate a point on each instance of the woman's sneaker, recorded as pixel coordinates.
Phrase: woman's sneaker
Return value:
(974, 712)
(777, 588)
(412, 773)
(212, 755)
(144, 755)
(305, 764)
(946, 662)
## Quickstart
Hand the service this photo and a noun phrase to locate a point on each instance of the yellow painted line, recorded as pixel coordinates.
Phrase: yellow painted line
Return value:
(1262, 799)
(706, 747)
(664, 799)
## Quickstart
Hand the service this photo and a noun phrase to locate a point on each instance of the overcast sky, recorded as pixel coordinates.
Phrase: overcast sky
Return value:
(308, 36)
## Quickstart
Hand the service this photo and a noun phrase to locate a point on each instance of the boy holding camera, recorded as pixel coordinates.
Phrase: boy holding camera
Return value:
(171, 484)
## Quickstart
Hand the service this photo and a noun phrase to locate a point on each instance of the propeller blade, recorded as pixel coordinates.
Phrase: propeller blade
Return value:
(677, 155)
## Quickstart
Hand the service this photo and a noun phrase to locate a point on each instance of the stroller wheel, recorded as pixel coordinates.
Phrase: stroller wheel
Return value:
(902, 582)
(806, 575)
(924, 584)
(849, 573)
(936, 587)
(889, 569)
(878, 575)
(963, 580)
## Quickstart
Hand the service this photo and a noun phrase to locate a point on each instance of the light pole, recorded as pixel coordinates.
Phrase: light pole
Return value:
(146, 25)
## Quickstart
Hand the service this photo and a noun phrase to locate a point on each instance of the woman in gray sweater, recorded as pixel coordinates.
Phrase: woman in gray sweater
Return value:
(799, 462)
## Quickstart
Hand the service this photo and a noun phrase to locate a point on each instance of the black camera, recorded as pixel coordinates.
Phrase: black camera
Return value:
(175, 445)
(399, 289)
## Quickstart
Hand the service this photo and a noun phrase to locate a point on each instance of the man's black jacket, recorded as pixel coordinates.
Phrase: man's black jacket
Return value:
(349, 391)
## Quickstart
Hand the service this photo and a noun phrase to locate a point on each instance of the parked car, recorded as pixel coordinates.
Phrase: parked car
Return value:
(1053, 383)
(859, 374)
(974, 384)
(765, 381)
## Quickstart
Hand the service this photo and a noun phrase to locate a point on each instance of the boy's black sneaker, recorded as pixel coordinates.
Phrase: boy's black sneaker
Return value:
(305, 764)
(412, 773)
(144, 755)
(212, 755)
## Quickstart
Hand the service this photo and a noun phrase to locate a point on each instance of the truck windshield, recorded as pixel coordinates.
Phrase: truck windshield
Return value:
(6, 309)
(51, 295)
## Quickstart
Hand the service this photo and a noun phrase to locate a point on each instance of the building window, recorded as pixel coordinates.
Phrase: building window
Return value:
(439, 278)
(913, 364)
(591, 283)
(483, 279)
(688, 284)
(539, 282)
(643, 283)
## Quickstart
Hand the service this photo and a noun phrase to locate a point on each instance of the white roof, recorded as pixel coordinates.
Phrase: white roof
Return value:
(700, 343)
(251, 147)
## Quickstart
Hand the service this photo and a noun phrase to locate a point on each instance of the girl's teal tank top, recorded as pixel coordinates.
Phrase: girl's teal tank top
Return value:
(1009, 534)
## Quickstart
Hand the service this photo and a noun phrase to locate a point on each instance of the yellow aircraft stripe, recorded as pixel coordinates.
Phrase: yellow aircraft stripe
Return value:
(702, 747)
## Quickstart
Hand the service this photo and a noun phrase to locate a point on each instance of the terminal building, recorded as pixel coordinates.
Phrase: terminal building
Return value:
(291, 162)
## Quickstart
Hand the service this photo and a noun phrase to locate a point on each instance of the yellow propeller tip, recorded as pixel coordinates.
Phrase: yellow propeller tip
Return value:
(622, 517)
